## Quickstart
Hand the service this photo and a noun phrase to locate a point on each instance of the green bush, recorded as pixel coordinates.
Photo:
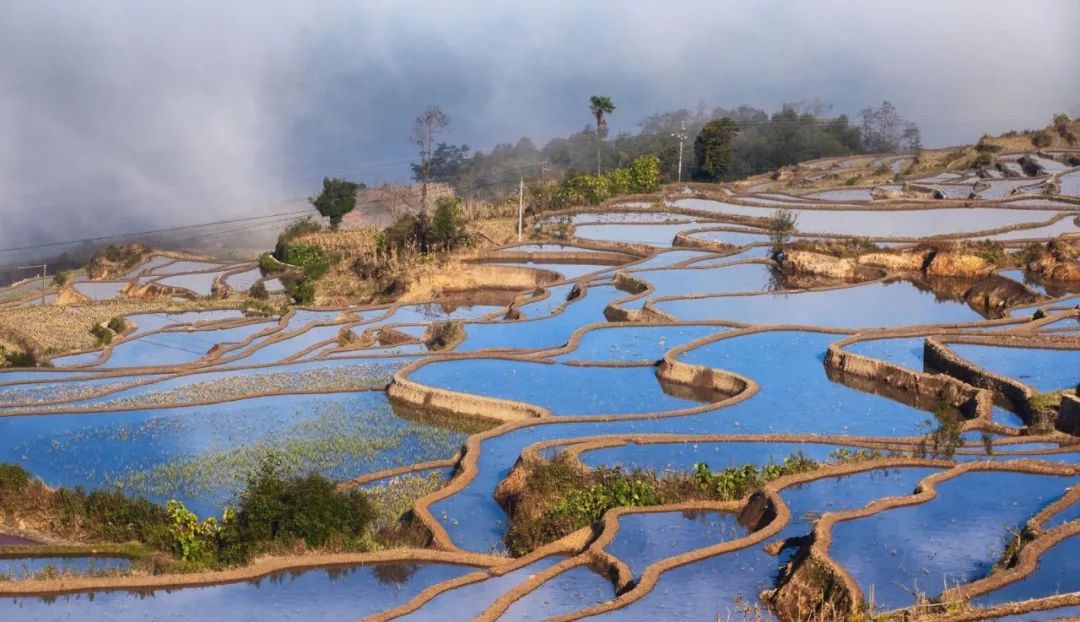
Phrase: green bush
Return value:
(13, 477)
(277, 509)
(312, 259)
(618, 181)
(295, 230)
(258, 291)
(117, 324)
(447, 228)
(645, 174)
(103, 335)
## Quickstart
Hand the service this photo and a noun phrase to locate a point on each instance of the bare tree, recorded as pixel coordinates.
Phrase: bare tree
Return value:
(425, 130)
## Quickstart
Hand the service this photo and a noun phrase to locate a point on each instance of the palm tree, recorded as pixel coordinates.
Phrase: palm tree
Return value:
(599, 106)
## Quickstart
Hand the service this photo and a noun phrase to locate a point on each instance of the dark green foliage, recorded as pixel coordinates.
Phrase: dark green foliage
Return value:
(103, 335)
(297, 229)
(117, 324)
(983, 159)
(447, 162)
(258, 291)
(599, 106)
(19, 358)
(282, 510)
(447, 228)
(312, 259)
(338, 198)
(300, 289)
(714, 149)
(13, 478)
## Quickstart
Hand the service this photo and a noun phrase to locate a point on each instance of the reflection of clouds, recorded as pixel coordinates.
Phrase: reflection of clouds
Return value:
(955, 537)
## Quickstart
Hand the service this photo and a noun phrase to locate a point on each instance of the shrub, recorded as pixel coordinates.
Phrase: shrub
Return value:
(645, 174)
(117, 324)
(446, 227)
(258, 291)
(781, 226)
(443, 334)
(300, 289)
(618, 181)
(13, 477)
(61, 278)
(277, 509)
(1041, 139)
(295, 230)
(312, 259)
(983, 159)
(102, 333)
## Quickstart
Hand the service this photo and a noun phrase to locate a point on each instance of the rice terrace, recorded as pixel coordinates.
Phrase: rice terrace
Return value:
(727, 365)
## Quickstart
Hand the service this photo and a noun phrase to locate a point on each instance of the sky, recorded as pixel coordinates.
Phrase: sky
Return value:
(127, 115)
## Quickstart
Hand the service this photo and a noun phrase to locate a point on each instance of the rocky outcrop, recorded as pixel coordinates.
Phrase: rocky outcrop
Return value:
(1059, 263)
(819, 264)
(894, 262)
(955, 263)
(992, 295)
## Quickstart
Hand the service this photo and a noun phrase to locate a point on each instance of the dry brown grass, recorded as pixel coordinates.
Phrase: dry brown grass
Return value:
(424, 278)
(67, 328)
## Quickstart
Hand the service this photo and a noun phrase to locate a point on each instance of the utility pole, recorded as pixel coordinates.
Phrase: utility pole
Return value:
(521, 204)
(681, 135)
(44, 271)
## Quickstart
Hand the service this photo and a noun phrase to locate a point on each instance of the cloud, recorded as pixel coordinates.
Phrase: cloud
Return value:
(127, 115)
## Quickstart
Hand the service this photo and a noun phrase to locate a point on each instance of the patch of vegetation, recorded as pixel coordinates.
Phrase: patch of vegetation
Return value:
(944, 439)
(990, 250)
(447, 227)
(982, 160)
(443, 334)
(782, 224)
(275, 514)
(1043, 409)
(103, 334)
(558, 498)
(116, 258)
(270, 264)
(62, 278)
(19, 358)
(258, 291)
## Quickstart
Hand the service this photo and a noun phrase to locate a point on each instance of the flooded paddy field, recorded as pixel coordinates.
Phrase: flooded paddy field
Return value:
(712, 453)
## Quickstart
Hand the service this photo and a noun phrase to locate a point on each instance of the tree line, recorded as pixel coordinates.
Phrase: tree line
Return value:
(722, 144)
